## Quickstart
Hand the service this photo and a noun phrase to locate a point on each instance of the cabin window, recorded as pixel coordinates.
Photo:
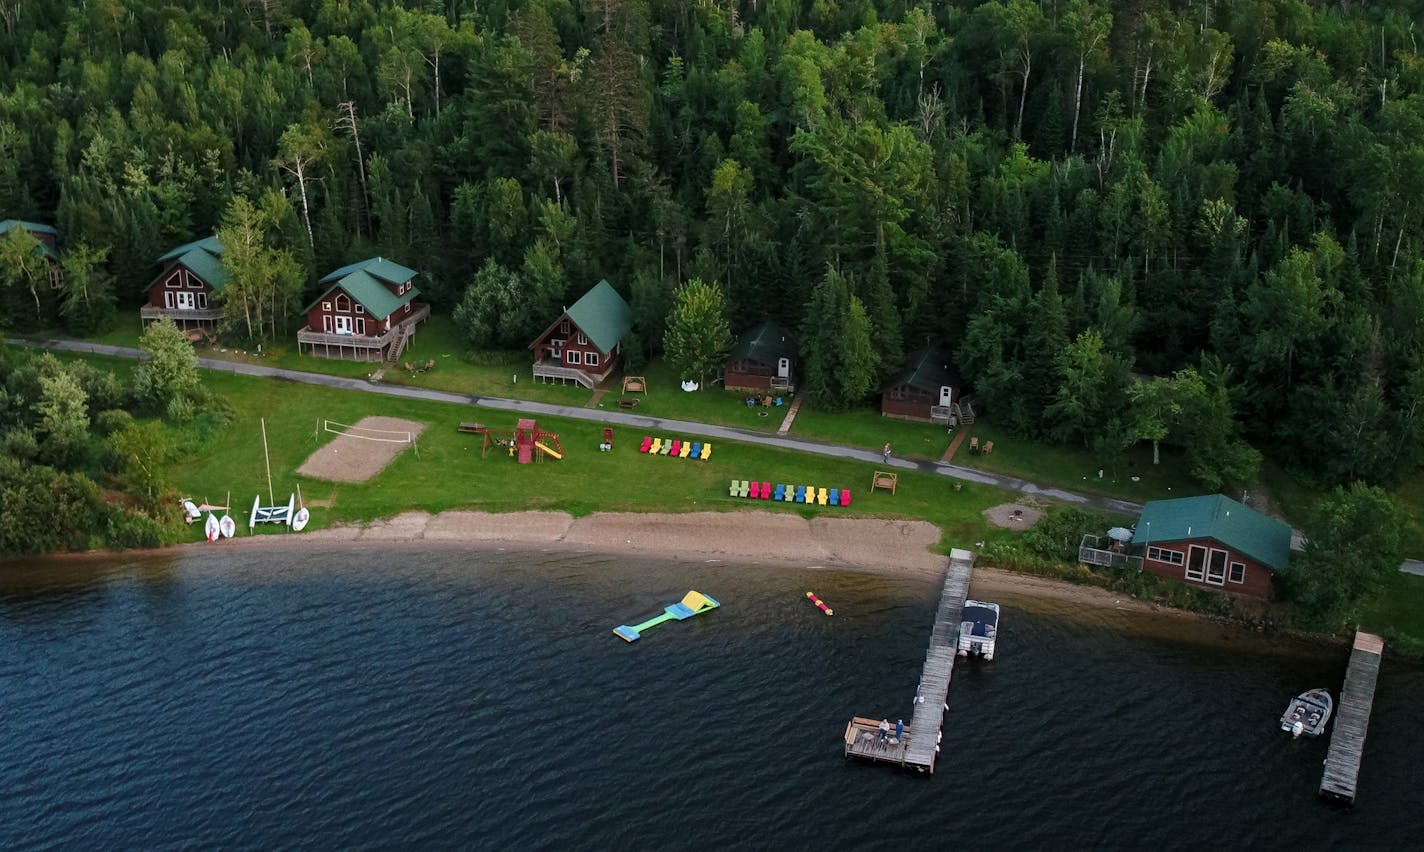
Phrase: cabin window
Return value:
(193, 283)
(360, 326)
(202, 300)
(326, 324)
(168, 301)
(1196, 563)
(407, 307)
(583, 341)
(326, 306)
(360, 309)
(590, 359)
(573, 356)
(1216, 568)
(564, 327)
(343, 304)
(1162, 554)
(1238, 572)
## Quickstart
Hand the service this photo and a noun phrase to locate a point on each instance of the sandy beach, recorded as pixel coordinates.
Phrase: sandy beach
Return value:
(903, 547)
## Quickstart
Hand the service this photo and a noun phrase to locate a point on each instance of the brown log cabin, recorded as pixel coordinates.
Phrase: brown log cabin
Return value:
(367, 312)
(926, 388)
(189, 289)
(1212, 542)
(763, 358)
(585, 343)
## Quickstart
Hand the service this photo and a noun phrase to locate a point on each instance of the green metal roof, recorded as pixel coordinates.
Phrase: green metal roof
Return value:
(386, 270)
(32, 227)
(207, 244)
(1214, 516)
(369, 292)
(766, 344)
(928, 369)
(8, 225)
(203, 258)
(602, 315)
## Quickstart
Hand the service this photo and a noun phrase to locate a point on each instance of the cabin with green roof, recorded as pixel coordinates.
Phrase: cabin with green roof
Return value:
(763, 358)
(47, 237)
(584, 344)
(189, 289)
(927, 388)
(1213, 542)
(367, 311)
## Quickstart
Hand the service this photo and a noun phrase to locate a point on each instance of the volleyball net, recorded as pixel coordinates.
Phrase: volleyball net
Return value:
(366, 433)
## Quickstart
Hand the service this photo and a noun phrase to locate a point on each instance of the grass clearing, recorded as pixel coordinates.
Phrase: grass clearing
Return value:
(868, 429)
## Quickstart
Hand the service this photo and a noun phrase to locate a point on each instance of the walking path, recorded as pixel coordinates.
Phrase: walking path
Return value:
(790, 416)
(635, 421)
(954, 445)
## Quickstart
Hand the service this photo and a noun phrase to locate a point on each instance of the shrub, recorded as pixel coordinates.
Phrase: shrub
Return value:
(1057, 534)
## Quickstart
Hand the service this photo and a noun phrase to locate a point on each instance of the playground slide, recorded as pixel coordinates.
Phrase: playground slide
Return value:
(693, 603)
(547, 451)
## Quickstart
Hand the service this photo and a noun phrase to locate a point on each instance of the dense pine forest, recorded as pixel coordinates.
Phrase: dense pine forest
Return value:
(1185, 222)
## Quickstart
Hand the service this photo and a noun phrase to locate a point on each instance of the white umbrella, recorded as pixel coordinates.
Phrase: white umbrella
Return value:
(1120, 534)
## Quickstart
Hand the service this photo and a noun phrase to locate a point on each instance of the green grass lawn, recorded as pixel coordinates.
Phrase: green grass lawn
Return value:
(868, 429)
(710, 404)
(1075, 469)
(1397, 611)
(446, 471)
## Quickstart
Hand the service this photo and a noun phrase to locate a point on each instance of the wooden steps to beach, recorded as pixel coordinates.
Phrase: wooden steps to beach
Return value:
(920, 745)
(1352, 720)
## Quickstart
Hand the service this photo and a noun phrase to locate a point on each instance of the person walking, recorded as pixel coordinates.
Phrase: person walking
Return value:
(899, 730)
(885, 453)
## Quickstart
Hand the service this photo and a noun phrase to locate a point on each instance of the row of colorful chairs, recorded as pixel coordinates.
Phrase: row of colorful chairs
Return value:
(675, 447)
(790, 493)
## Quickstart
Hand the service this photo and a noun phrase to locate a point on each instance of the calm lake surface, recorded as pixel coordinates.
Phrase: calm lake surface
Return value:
(406, 698)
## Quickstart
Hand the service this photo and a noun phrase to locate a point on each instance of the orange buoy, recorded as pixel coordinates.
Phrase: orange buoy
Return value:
(820, 604)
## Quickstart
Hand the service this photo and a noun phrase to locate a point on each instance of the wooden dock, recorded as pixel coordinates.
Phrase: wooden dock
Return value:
(1352, 720)
(920, 745)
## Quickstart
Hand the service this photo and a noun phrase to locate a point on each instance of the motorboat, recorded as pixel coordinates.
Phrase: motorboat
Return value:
(978, 629)
(1308, 713)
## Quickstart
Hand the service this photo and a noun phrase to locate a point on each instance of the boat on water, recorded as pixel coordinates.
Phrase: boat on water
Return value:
(978, 629)
(1308, 713)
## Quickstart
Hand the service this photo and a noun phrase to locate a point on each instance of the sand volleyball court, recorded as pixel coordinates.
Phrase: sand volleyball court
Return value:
(361, 450)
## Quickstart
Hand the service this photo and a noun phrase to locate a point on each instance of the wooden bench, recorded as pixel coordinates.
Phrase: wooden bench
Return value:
(884, 479)
(628, 402)
(475, 428)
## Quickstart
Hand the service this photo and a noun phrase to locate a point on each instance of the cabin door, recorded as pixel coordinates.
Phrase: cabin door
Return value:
(184, 301)
(343, 324)
(946, 395)
(783, 368)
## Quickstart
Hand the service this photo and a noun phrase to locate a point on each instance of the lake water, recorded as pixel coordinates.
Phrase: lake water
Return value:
(449, 698)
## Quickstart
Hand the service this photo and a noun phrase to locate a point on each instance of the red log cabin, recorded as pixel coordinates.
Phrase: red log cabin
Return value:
(366, 311)
(47, 237)
(1212, 542)
(189, 289)
(584, 344)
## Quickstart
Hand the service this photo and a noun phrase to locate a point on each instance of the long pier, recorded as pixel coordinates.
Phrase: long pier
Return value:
(1352, 720)
(920, 745)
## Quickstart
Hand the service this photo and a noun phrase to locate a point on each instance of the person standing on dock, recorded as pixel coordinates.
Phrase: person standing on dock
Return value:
(899, 730)
(884, 730)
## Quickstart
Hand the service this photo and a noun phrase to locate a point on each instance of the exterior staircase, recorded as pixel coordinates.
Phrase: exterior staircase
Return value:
(394, 350)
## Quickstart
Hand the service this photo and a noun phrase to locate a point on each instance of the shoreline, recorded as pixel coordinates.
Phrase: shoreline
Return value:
(874, 545)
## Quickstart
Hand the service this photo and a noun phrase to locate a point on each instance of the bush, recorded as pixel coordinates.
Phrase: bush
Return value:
(181, 409)
(113, 420)
(130, 529)
(1058, 534)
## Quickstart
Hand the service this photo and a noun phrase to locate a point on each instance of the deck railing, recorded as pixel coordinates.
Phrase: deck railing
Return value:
(1093, 551)
(553, 370)
(307, 337)
(181, 315)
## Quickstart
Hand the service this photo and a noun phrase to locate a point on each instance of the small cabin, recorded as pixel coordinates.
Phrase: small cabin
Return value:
(47, 237)
(927, 388)
(367, 311)
(763, 358)
(189, 289)
(1212, 542)
(585, 343)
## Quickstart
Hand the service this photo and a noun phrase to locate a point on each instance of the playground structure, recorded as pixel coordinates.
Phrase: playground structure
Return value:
(522, 441)
(693, 603)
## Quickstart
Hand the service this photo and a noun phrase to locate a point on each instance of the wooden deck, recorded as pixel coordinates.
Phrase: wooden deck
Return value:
(932, 697)
(1352, 720)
